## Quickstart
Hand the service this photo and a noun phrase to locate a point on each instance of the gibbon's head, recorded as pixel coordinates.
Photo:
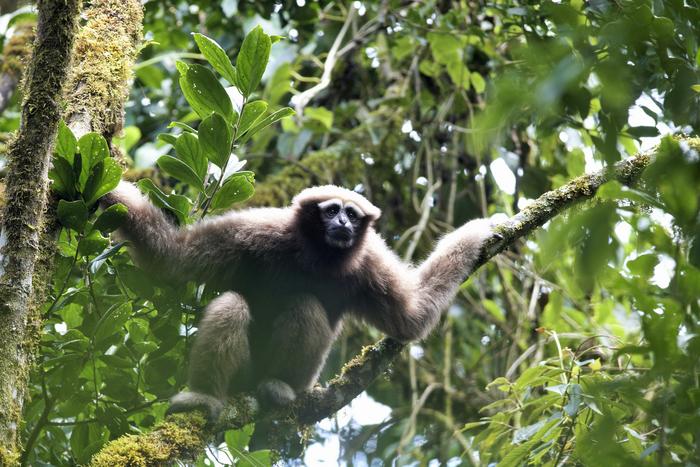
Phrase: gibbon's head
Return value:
(336, 216)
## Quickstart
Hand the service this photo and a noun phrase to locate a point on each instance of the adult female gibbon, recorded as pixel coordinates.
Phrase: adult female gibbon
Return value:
(288, 277)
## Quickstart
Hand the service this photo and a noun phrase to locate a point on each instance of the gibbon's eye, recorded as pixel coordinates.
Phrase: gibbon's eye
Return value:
(331, 211)
(352, 214)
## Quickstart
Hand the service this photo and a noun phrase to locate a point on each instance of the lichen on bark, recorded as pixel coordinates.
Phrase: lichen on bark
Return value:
(28, 162)
(105, 50)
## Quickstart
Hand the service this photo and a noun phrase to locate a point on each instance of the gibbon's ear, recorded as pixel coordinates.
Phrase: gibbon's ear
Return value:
(319, 194)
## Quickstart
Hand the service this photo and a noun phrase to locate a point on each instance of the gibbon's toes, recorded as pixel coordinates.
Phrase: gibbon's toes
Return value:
(188, 401)
(275, 393)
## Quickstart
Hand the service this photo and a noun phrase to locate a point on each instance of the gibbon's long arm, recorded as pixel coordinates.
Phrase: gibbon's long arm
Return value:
(405, 301)
(196, 252)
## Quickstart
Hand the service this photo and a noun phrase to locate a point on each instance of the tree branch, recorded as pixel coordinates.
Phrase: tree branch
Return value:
(375, 359)
(23, 215)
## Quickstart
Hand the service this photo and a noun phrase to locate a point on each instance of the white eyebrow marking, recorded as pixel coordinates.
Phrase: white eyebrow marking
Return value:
(329, 203)
(360, 212)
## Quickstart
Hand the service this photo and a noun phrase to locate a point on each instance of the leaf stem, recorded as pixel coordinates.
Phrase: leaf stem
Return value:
(207, 203)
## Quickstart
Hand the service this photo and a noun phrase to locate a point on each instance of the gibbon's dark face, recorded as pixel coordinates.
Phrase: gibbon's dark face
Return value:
(342, 222)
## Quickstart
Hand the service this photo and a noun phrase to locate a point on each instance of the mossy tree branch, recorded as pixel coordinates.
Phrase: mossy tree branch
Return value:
(375, 359)
(27, 176)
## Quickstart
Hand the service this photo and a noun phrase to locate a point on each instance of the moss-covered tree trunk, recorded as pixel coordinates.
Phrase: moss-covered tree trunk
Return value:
(94, 102)
(28, 164)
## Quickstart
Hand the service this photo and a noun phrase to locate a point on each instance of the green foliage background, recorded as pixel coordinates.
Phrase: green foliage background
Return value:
(579, 346)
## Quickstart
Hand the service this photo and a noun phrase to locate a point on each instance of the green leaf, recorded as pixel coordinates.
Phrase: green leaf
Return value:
(237, 440)
(239, 187)
(205, 94)
(215, 139)
(168, 138)
(63, 177)
(183, 126)
(96, 263)
(478, 82)
(177, 204)
(252, 112)
(321, 115)
(104, 177)
(696, 87)
(66, 144)
(252, 60)
(111, 322)
(92, 244)
(189, 151)
(93, 148)
(216, 56)
(182, 67)
(181, 171)
(111, 219)
(267, 121)
(73, 214)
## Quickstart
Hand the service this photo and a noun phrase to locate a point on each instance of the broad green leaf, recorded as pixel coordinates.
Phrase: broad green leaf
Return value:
(92, 244)
(111, 219)
(181, 171)
(239, 187)
(168, 138)
(321, 115)
(216, 56)
(93, 148)
(72, 214)
(252, 112)
(104, 177)
(111, 322)
(177, 204)
(63, 177)
(459, 74)
(182, 67)
(252, 60)
(96, 263)
(215, 139)
(478, 82)
(205, 94)
(267, 121)
(183, 126)
(446, 48)
(189, 151)
(237, 440)
(66, 144)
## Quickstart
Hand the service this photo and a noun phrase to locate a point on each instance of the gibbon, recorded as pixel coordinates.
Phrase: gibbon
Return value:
(288, 278)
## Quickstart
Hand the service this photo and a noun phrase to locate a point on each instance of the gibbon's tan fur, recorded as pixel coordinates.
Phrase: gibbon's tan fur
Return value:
(285, 290)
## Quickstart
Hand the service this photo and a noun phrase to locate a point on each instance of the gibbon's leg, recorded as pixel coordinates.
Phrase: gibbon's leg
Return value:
(299, 344)
(220, 356)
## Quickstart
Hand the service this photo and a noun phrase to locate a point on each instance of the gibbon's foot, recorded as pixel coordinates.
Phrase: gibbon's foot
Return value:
(275, 393)
(188, 401)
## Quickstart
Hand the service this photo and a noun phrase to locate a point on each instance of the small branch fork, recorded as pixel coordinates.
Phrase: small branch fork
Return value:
(375, 359)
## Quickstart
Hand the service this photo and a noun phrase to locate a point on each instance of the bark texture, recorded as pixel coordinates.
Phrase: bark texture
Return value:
(104, 53)
(374, 360)
(28, 163)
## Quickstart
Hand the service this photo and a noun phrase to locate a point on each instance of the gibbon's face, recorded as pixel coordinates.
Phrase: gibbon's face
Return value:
(342, 221)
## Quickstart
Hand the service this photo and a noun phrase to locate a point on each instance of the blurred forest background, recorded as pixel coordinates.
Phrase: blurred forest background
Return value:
(577, 346)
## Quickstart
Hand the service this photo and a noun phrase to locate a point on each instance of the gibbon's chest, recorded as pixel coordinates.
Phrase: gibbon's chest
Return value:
(270, 285)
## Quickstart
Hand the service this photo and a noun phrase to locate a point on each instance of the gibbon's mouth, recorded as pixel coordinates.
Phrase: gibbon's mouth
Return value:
(339, 237)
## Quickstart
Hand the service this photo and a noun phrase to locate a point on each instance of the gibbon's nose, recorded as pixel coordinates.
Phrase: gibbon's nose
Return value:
(342, 219)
